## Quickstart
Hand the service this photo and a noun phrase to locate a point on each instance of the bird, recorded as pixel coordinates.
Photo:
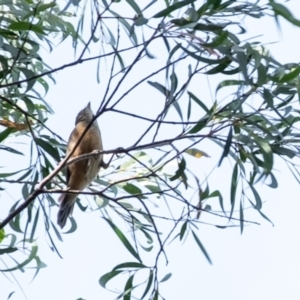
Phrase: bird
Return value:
(80, 174)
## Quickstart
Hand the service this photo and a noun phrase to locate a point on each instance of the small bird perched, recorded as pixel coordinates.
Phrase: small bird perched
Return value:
(80, 174)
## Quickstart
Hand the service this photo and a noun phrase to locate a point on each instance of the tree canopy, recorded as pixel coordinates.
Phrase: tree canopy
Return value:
(174, 49)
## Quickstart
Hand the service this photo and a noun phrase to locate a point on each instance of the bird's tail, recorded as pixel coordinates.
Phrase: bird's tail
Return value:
(67, 202)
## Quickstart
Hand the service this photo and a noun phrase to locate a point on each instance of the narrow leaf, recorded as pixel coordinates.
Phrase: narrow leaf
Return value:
(123, 239)
(201, 247)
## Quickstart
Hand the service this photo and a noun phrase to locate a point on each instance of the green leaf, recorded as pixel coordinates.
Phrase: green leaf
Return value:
(128, 288)
(234, 184)
(166, 277)
(219, 40)
(290, 76)
(180, 172)
(281, 10)
(153, 188)
(15, 222)
(258, 205)
(202, 58)
(227, 146)
(5, 133)
(160, 87)
(132, 189)
(274, 183)
(73, 226)
(140, 21)
(28, 74)
(173, 7)
(20, 26)
(9, 296)
(155, 297)
(32, 255)
(9, 149)
(183, 230)
(129, 265)
(149, 283)
(196, 153)
(48, 148)
(199, 102)
(266, 151)
(8, 250)
(34, 225)
(107, 277)
(241, 217)
(219, 195)
(136, 8)
(123, 239)
(219, 68)
(2, 235)
(201, 247)
(43, 7)
(232, 82)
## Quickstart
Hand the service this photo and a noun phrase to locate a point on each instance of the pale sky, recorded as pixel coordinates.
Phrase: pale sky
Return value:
(261, 264)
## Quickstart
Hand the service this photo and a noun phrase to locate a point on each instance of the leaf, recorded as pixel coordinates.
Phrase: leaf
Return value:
(200, 125)
(241, 217)
(43, 7)
(128, 265)
(9, 296)
(123, 239)
(290, 76)
(219, 68)
(201, 247)
(39, 265)
(5, 133)
(183, 230)
(232, 82)
(140, 21)
(136, 8)
(219, 40)
(266, 151)
(199, 102)
(21, 25)
(6, 148)
(2, 235)
(132, 189)
(153, 188)
(159, 87)
(73, 226)
(173, 7)
(28, 74)
(227, 146)
(180, 172)
(258, 205)
(166, 277)
(196, 153)
(48, 148)
(149, 283)
(128, 288)
(34, 225)
(15, 222)
(234, 184)
(32, 255)
(281, 10)
(107, 277)
(274, 183)
(8, 250)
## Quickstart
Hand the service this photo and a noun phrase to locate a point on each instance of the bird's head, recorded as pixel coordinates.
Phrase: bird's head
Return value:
(85, 115)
